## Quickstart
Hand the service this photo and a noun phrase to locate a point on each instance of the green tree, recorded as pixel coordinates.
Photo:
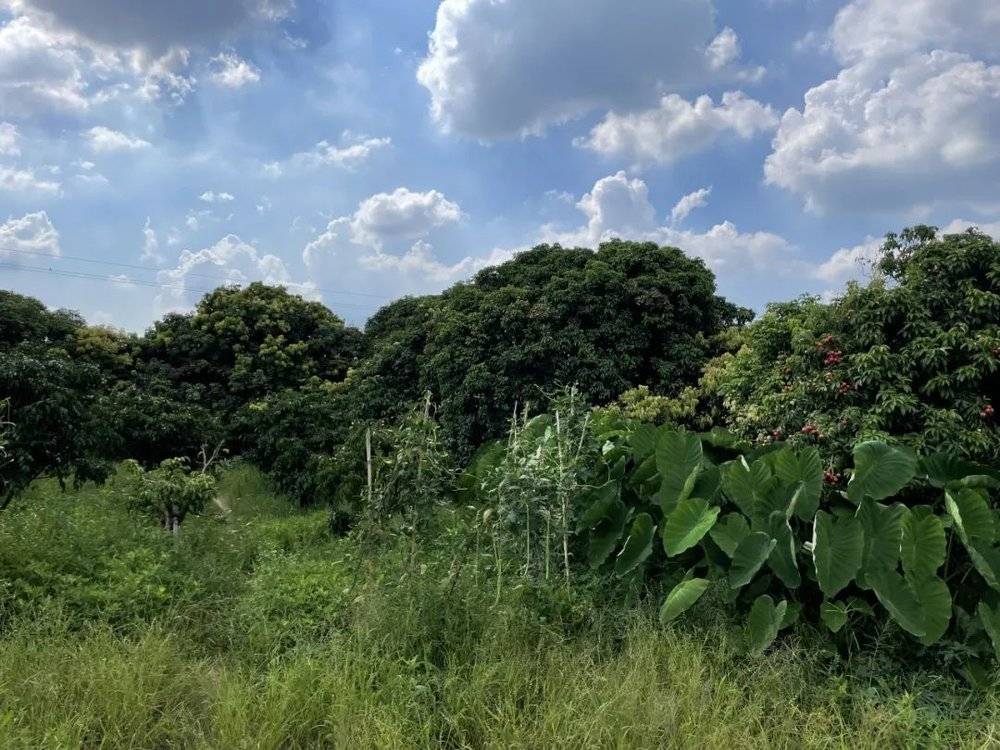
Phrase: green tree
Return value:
(57, 419)
(241, 344)
(625, 315)
(913, 355)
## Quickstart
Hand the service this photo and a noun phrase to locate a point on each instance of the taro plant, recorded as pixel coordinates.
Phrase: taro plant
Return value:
(914, 540)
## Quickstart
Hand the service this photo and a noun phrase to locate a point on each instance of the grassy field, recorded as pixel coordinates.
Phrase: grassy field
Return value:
(255, 630)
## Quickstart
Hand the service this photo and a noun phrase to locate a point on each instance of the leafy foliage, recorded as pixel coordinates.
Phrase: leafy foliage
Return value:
(913, 355)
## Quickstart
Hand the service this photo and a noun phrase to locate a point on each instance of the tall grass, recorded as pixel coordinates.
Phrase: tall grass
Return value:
(314, 643)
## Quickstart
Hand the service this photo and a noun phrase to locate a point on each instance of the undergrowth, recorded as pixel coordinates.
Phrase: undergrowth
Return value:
(255, 629)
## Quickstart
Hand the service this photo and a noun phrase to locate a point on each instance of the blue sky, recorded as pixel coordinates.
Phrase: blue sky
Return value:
(361, 151)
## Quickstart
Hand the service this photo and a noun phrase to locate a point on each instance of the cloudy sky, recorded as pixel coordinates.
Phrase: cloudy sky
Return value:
(359, 151)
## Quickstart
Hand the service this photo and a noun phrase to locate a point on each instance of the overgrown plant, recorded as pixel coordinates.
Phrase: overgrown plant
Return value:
(170, 492)
(409, 472)
(529, 484)
(915, 540)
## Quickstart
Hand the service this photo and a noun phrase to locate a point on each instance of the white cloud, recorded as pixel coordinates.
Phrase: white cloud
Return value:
(420, 261)
(230, 260)
(102, 139)
(25, 181)
(849, 262)
(957, 226)
(233, 72)
(724, 49)
(386, 221)
(929, 132)
(352, 151)
(210, 196)
(387, 218)
(41, 70)
(31, 234)
(677, 128)
(619, 207)
(150, 244)
(911, 120)
(8, 140)
(501, 69)
(688, 203)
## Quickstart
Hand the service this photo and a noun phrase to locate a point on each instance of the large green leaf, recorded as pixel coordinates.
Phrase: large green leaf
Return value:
(986, 559)
(899, 599)
(729, 532)
(749, 556)
(883, 528)
(972, 516)
(833, 615)
(923, 543)
(942, 469)
(598, 504)
(708, 483)
(765, 621)
(678, 460)
(935, 605)
(638, 546)
(604, 538)
(741, 480)
(803, 470)
(782, 558)
(838, 546)
(681, 597)
(880, 470)
(643, 441)
(990, 618)
(687, 524)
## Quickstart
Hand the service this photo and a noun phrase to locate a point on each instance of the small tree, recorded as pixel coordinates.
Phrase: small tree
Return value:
(169, 492)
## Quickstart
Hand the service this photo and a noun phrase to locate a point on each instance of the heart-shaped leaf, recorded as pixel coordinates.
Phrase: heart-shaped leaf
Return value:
(803, 470)
(880, 470)
(687, 524)
(681, 598)
(923, 543)
(729, 532)
(749, 556)
(765, 621)
(838, 546)
(678, 460)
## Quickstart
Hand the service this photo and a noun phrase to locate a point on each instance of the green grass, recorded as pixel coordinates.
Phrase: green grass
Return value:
(270, 635)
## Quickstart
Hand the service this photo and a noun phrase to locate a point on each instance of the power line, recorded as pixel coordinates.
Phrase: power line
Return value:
(124, 282)
(149, 270)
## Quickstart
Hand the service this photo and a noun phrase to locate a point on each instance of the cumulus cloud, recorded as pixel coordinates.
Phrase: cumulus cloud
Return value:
(723, 50)
(31, 234)
(849, 262)
(232, 72)
(678, 128)
(503, 69)
(688, 203)
(618, 206)
(911, 120)
(42, 70)
(8, 140)
(230, 260)
(25, 181)
(105, 140)
(419, 260)
(385, 222)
